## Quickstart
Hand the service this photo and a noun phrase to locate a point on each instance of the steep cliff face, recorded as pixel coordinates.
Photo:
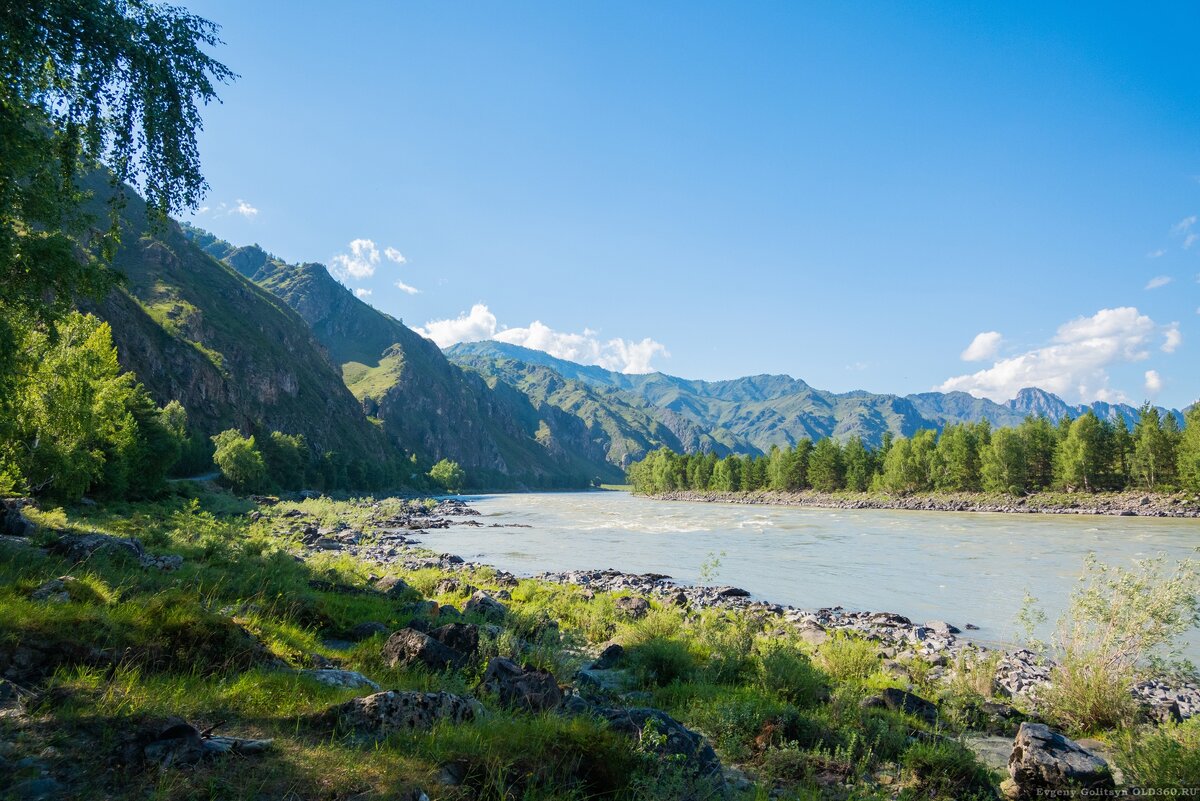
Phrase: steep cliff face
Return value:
(426, 404)
(194, 330)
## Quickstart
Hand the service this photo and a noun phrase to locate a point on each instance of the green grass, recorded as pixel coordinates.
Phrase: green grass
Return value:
(219, 641)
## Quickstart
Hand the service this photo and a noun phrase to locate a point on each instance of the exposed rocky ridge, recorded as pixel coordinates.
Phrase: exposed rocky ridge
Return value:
(751, 414)
(427, 405)
(194, 330)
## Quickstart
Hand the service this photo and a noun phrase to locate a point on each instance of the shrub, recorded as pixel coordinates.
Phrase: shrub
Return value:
(848, 658)
(947, 768)
(240, 461)
(661, 661)
(790, 673)
(1165, 758)
(1121, 623)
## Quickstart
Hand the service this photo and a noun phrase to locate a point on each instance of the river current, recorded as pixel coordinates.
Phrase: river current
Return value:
(961, 567)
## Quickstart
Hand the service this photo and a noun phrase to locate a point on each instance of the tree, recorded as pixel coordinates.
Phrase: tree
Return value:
(87, 82)
(1039, 440)
(859, 467)
(907, 466)
(286, 457)
(447, 475)
(826, 472)
(727, 474)
(1004, 466)
(1189, 451)
(240, 461)
(1080, 456)
(955, 466)
(1153, 450)
(78, 423)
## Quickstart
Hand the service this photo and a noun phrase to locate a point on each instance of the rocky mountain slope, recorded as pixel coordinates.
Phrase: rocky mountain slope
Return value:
(427, 405)
(194, 330)
(751, 414)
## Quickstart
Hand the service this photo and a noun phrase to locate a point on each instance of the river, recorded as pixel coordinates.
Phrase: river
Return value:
(960, 567)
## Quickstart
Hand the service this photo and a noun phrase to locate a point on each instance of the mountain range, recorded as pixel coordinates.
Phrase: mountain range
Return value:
(246, 340)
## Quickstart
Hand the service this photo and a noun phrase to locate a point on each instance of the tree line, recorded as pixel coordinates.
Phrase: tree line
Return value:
(1084, 454)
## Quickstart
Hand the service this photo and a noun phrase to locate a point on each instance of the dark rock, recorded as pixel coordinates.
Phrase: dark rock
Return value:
(485, 606)
(1046, 764)
(82, 546)
(460, 637)
(53, 591)
(411, 647)
(609, 658)
(365, 631)
(182, 744)
(733, 592)
(394, 587)
(521, 687)
(901, 701)
(13, 520)
(385, 713)
(633, 606)
(679, 743)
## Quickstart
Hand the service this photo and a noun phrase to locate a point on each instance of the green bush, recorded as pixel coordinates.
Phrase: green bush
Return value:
(848, 658)
(789, 672)
(660, 661)
(946, 769)
(1164, 758)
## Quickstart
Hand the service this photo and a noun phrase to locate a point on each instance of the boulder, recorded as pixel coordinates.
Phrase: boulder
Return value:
(347, 679)
(811, 632)
(13, 520)
(485, 606)
(1047, 764)
(53, 591)
(633, 606)
(385, 713)
(365, 631)
(183, 744)
(909, 704)
(609, 658)
(521, 687)
(394, 587)
(677, 743)
(82, 546)
(411, 647)
(460, 637)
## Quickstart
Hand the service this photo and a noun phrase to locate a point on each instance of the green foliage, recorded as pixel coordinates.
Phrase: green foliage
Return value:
(848, 658)
(1086, 454)
(1121, 623)
(79, 424)
(1165, 758)
(947, 769)
(447, 475)
(240, 461)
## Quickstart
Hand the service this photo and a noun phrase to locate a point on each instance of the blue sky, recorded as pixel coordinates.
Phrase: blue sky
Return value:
(859, 195)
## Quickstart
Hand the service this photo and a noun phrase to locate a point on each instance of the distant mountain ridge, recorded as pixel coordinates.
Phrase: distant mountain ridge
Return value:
(750, 415)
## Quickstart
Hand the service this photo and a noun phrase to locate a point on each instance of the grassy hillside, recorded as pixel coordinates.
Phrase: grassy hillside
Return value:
(192, 329)
(425, 404)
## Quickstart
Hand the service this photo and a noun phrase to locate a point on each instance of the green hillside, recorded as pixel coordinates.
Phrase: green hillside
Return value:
(425, 404)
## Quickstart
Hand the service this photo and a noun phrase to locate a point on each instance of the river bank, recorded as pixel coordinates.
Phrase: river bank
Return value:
(1120, 504)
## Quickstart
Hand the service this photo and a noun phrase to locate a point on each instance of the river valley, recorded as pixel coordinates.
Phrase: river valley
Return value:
(964, 568)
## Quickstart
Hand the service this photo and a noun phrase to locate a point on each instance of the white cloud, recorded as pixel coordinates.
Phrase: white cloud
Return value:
(586, 348)
(473, 326)
(1173, 338)
(983, 346)
(201, 211)
(1153, 382)
(360, 262)
(1074, 364)
(1184, 225)
(362, 293)
(394, 255)
(403, 287)
(1155, 254)
(1190, 240)
(1158, 281)
(245, 209)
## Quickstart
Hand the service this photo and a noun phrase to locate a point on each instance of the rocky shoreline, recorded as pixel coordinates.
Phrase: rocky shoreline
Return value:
(1111, 504)
(1019, 673)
